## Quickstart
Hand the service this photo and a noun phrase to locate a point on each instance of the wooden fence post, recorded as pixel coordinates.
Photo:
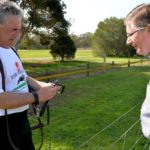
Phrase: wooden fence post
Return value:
(141, 61)
(59, 65)
(104, 63)
(129, 63)
(88, 69)
(113, 63)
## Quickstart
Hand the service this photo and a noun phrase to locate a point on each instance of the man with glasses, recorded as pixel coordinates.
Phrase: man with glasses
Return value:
(137, 25)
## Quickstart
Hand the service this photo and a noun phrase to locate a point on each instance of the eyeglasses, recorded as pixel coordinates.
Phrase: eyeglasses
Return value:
(138, 29)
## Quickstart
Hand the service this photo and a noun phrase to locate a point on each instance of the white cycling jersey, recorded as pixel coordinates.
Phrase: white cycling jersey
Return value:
(15, 77)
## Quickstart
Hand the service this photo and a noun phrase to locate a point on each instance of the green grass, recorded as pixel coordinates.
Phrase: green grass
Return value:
(89, 104)
(34, 53)
(47, 65)
(81, 55)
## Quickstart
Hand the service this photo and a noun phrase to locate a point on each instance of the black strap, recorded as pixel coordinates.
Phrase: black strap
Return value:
(3, 75)
(8, 132)
(15, 51)
(2, 69)
(6, 115)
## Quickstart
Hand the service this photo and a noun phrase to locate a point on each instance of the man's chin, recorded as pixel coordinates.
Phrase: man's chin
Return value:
(139, 52)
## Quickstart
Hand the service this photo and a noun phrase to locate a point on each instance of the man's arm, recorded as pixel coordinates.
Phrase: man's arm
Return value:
(13, 100)
(45, 91)
(35, 84)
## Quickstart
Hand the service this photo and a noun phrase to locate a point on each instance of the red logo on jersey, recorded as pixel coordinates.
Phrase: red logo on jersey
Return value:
(17, 66)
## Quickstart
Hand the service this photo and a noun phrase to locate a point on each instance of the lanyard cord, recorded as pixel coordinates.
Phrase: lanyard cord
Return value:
(39, 113)
(6, 115)
(8, 132)
(40, 124)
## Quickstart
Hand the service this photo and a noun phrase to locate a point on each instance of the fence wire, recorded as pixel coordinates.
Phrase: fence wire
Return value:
(109, 125)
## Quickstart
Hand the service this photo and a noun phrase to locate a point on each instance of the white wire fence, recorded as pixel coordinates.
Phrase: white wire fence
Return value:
(130, 139)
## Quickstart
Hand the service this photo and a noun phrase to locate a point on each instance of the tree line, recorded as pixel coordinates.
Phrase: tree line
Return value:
(46, 27)
(109, 39)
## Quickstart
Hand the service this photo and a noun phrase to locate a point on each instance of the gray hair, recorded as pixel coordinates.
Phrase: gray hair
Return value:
(9, 8)
(139, 16)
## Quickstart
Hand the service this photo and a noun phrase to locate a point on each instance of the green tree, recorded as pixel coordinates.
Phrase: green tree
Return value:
(110, 38)
(83, 41)
(45, 16)
(25, 42)
(63, 47)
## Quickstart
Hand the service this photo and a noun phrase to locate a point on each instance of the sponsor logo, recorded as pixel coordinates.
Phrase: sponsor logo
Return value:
(19, 70)
(17, 65)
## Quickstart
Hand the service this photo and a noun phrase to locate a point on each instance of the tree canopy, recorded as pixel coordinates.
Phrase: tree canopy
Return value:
(110, 38)
(46, 19)
(63, 47)
(83, 40)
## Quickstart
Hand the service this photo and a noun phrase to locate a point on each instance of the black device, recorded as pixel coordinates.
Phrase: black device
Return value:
(62, 87)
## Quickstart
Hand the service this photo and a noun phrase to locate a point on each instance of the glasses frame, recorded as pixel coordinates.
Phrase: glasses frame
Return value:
(138, 29)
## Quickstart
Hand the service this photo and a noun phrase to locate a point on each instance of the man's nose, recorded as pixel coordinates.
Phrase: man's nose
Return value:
(128, 41)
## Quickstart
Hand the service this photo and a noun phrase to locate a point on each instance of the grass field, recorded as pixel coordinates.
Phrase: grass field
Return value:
(89, 104)
(81, 55)
(43, 63)
(34, 53)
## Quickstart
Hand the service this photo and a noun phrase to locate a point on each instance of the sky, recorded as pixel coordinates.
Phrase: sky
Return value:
(85, 15)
